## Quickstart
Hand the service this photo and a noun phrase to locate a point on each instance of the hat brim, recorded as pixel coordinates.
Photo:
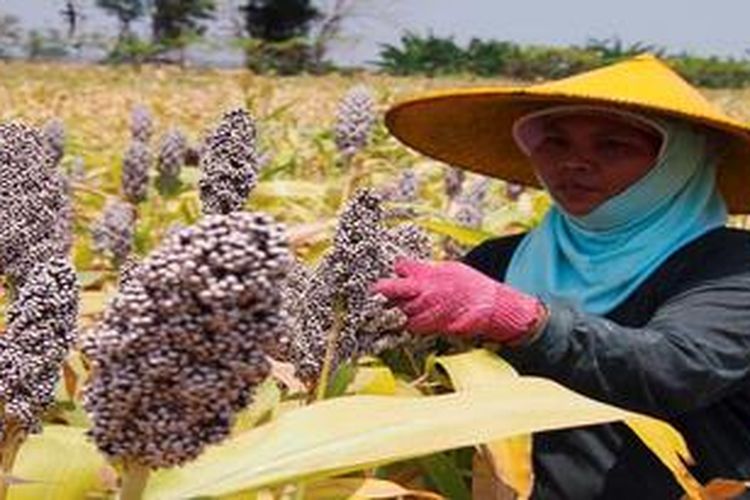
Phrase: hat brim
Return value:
(472, 129)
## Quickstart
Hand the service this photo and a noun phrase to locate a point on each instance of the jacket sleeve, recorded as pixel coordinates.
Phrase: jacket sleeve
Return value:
(693, 352)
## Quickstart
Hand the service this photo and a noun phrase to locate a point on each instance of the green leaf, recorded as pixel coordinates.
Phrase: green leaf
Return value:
(61, 463)
(446, 476)
(340, 380)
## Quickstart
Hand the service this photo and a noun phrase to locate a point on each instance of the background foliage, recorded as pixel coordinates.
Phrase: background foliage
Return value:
(432, 55)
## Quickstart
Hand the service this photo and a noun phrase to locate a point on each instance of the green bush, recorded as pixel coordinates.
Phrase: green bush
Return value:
(432, 56)
(290, 57)
(534, 62)
(712, 72)
(428, 55)
(490, 57)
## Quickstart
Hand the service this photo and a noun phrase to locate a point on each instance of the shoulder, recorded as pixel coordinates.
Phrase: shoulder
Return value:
(492, 256)
(718, 254)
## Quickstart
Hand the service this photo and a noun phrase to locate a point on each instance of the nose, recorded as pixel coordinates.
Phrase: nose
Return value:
(576, 161)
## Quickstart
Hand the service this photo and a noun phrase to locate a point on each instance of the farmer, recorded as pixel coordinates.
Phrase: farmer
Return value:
(631, 290)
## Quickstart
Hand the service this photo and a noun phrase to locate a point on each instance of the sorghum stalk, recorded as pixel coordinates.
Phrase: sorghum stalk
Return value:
(15, 435)
(339, 312)
(134, 480)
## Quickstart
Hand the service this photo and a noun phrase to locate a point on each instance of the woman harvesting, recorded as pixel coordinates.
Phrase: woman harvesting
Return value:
(631, 290)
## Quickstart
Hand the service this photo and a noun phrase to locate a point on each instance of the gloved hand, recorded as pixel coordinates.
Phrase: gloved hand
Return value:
(453, 298)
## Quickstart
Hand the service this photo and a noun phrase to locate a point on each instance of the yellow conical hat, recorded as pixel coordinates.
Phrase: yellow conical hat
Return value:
(471, 128)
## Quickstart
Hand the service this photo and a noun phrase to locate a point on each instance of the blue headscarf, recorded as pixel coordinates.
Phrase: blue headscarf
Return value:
(594, 262)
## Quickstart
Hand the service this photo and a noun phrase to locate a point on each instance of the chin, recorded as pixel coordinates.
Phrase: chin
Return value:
(577, 209)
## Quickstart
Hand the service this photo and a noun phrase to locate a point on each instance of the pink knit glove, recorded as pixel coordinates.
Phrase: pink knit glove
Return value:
(453, 298)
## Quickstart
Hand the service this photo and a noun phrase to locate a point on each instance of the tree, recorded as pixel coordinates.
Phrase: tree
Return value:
(10, 34)
(126, 11)
(176, 22)
(49, 44)
(277, 35)
(278, 20)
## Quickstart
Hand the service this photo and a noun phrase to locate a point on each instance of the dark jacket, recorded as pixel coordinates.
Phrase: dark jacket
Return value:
(678, 349)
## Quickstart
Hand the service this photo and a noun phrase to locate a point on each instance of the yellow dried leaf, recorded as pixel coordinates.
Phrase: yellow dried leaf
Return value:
(670, 447)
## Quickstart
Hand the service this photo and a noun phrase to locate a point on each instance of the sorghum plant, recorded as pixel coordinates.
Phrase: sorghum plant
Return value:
(407, 187)
(355, 117)
(182, 345)
(135, 166)
(171, 154)
(113, 232)
(32, 201)
(453, 180)
(41, 329)
(334, 316)
(467, 211)
(54, 140)
(405, 190)
(141, 124)
(229, 164)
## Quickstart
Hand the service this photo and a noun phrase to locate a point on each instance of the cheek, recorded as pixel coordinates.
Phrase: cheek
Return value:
(620, 177)
(545, 172)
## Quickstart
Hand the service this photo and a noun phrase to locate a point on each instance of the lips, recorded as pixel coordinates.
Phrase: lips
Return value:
(574, 188)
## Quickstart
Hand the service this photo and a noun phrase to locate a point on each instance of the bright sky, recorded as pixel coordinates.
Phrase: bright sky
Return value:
(719, 27)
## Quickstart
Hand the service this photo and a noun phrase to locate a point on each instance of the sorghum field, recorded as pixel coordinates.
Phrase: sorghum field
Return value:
(186, 258)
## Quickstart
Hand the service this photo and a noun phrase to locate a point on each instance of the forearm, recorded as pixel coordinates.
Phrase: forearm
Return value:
(694, 351)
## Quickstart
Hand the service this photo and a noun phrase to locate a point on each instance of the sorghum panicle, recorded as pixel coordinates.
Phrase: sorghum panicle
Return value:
(171, 155)
(406, 191)
(141, 124)
(54, 140)
(406, 188)
(470, 205)
(32, 199)
(229, 164)
(41, 329)
(182, 345)
(453, 180)
(135, 166)
(468, 211)
(355, 117)
(513, 191)
(337, 291)
(113, 232)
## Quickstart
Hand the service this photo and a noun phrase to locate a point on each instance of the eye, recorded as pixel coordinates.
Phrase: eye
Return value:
(615, 146)
(552, 143)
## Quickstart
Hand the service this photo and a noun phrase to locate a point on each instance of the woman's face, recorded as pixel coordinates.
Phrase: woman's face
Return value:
(586, 159)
